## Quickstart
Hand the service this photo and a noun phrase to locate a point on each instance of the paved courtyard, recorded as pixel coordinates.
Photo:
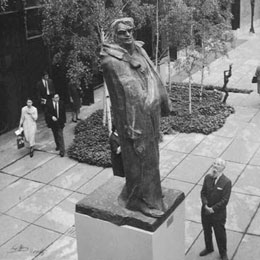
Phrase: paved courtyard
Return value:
(38, 195)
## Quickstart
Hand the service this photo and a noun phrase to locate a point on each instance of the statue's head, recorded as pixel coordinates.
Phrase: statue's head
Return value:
(122, 30)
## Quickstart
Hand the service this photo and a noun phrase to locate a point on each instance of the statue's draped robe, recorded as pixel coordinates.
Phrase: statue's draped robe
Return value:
(138, 98)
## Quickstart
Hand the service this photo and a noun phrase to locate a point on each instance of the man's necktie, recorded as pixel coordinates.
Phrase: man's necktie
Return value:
(47, 87)
(214, 182)
(56, 109)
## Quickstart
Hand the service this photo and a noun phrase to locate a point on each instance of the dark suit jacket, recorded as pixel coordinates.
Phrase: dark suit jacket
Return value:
(50, 112)
(116, 159)
(42, 92)
(216, 197)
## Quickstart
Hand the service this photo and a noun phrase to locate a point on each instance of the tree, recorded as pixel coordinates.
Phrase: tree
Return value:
(74, 31)
(212, 31)
(3, 4)
(198, 29)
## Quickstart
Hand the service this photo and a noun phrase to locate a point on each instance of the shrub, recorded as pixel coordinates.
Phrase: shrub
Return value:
(91, 142)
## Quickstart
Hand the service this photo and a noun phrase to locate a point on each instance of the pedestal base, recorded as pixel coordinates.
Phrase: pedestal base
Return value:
(99, 238)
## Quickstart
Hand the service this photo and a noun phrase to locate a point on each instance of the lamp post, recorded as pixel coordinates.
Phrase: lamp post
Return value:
(252, 16)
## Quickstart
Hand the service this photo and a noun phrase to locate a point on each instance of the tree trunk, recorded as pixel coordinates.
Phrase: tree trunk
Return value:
(157, 34)
(201, 82)
(169, 68)
(190, 109)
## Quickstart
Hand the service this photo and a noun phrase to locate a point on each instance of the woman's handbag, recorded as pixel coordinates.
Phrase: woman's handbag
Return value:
(254, 79)
(20, 141)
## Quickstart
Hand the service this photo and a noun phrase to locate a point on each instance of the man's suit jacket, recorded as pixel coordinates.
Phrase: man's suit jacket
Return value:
(216, 196)
(42, 91)
(50, 112)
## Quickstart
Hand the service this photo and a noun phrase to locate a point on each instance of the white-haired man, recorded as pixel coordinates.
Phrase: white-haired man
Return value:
(215, 195)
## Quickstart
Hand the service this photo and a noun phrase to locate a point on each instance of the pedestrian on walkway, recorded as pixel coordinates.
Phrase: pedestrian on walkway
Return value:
(45, 91)
(116, 158)
(215, 195)
(56, 119)
(257, 74)
(45, 88)
(29, 115)
(75, 93)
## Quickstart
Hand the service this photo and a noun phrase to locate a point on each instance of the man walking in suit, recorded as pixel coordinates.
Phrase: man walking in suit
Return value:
(56, 119)
(45, 88)
(215, 195)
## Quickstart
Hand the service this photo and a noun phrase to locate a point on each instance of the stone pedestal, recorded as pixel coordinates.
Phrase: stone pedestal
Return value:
(106, 231)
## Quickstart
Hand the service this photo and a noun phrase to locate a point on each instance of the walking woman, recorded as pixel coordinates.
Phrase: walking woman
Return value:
(29, 115)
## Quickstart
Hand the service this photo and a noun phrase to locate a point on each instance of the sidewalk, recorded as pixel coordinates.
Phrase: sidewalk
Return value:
(38, 195)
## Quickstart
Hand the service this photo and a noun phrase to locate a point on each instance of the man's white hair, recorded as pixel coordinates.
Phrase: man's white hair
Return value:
(221, 162)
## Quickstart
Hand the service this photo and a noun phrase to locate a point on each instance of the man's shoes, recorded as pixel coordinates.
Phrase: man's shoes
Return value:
(205, 252)
(61, 154)
(224, 257)
(31, 152)
(57, 148)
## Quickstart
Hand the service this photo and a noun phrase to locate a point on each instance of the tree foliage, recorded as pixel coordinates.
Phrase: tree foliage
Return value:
(74, 31)
(198, 29)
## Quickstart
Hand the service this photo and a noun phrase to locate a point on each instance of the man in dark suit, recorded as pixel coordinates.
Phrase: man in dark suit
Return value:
(116, 158)
(45, 88)
(215, 195)
(56, 119)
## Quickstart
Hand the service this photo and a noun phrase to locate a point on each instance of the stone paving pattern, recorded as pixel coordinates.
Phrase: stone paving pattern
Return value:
(38, 195)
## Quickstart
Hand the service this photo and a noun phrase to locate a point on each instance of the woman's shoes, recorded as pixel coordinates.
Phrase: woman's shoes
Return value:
(31, 151)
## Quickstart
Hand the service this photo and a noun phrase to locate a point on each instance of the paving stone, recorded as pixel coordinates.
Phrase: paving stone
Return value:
(192, 231)
(27, 164)
(256, 158)
(254, 227)
(17, 192)
(177, 185)
(97, 181)
(76, 176)
(191, 169)
(9, 155)
(6, 179)
(212, 146)
(63, 248)
(169, 160)
(29, 243)
(233, 239)
(185, 142)
(193, 205)
(167, 139)
(61, 217)
(42, 201)
(249, 180)
(240, 210)
(230, 129)
(250, 133)
(249, 248)
(240, 151)
(10, 227)
(51, 169)
(244, 114)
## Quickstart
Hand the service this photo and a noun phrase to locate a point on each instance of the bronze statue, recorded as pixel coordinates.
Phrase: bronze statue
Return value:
(138, 99)
(227, 75)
